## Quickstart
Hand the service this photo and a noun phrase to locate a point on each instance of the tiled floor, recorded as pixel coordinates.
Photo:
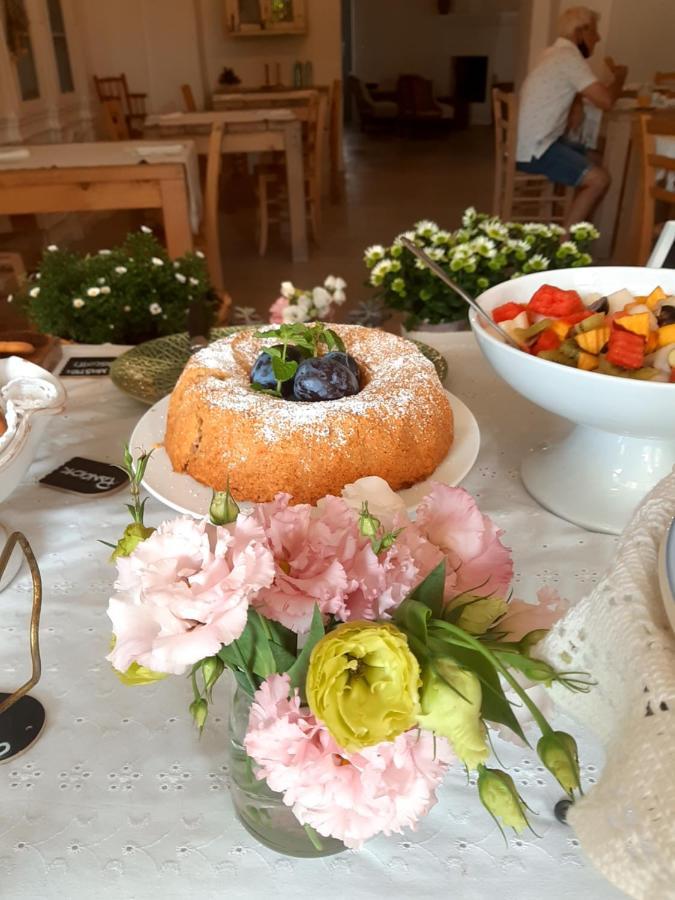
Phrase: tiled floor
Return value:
(390, 183)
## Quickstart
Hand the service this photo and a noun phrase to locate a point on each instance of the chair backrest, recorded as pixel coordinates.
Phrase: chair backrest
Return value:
(667, 78)
(188, 98)
(415, 96)
(113, 87)
(657, 175)
(361, 95)
(114, 121)
(505, 115)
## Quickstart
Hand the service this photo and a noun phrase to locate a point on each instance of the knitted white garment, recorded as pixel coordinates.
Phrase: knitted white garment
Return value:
(620, 634)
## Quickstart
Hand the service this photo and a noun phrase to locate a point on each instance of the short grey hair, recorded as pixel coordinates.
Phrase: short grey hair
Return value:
(576, 17)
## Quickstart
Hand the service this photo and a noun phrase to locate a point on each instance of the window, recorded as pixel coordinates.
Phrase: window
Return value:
(17, 30)
(60, 42)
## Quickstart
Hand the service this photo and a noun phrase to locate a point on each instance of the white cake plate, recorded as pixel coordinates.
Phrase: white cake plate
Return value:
(182, 493)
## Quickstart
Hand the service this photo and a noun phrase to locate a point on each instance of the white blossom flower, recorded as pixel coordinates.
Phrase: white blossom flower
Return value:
(156, 261)
(10, 297)
(176, 264)
(330, 282)
(52, 248)
(155, 309)
(111, 326)
(38, 275)
(537, 263)
(146, 230)
(78, 302)
(557, 230)
(105, 290)
(127, 308)
(34, 292)
(339, 296)
(484, 246)
(340, 283)
(194, 281)
(292, 314)
(494, 229)
(426, 228)
(321, 299)
(568, 248)
(104, 252)
(373, 254)
(180, 277)
(199, 254)
(287, 290)
(435, 253)
(93, 292)
(469, 216)
(441, 237)
(100, 280)
(304, 303)
(121, 270)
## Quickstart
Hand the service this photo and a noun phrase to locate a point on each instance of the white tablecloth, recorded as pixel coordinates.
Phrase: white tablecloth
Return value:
(111, 153)
(120, 799)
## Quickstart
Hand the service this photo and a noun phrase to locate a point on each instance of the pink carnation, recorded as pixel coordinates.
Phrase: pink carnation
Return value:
(348, 796)
(185, 591)
(525, 617)
(478, 562)
(277, 310)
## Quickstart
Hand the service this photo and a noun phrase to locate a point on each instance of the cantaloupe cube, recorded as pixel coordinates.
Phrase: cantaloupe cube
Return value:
(562, 329)
(652, 341)
(656, 296)
(593, 341)
(587, 361)
(666, 335)
(637, 323)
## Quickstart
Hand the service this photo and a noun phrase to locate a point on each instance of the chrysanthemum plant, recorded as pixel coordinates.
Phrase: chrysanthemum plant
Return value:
(125, 295)
(376, 649)
(483, 252)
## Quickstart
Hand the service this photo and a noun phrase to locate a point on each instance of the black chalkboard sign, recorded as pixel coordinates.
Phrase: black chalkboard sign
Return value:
(87, 365)
(86, 476)
(20, 725)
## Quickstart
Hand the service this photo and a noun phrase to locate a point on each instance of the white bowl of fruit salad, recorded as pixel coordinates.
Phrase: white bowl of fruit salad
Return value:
(598, 350)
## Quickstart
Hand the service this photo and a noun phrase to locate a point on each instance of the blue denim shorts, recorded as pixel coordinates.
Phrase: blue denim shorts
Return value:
(565, 162)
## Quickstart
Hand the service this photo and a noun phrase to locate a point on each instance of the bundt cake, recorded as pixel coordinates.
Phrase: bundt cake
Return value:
(398, 426)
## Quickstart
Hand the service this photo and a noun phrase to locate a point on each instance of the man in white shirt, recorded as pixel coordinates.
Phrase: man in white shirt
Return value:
(547, 100)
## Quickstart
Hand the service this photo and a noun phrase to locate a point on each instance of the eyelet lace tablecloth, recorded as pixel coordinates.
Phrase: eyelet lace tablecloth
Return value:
(120, 799)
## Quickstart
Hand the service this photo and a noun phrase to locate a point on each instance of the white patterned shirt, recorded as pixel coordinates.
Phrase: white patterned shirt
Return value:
(546, 97)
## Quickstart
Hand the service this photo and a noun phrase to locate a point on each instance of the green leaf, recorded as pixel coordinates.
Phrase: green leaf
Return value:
(263, 390)
(430, 591)
(261, 660)
(333, 340)
(298, 671)
(412, 617)
(283, 370)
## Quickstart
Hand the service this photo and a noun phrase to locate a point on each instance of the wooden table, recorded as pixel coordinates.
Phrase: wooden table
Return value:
(251, 131)
(617, 215)
(105, 175)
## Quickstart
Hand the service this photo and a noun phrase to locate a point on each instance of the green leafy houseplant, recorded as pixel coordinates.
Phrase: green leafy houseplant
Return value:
(126, 295)
(483, 252)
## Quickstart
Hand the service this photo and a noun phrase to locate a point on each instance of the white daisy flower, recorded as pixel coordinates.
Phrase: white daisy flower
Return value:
(146, 230)
(287, 290)
(52, 248)
(105, 290)
(469, 216)
(494, 229)
(436, 253)
(156, 261)
(10, 297)
(538, 263)
(104, 252)
(78, 303)
(38, 276)
(484, 246)
(93, 292)
(121, 270)
(155, 309)
(194, 281)
(426, 228)
(199, 254)
(567, 248)
(441, 237)
(176, 264)
(34, 292)
(126, 308)
(100, 281)
(373, 254)
(180, 277)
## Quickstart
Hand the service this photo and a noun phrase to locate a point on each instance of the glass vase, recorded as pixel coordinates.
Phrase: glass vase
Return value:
(260, 810)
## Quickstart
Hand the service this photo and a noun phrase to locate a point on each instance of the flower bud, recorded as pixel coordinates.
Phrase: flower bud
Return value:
(531, 639)
(368, 525)
(212, 669)
(500, 797)
(480, 614)
(199, 710)
(133, 535)
(224, 508)
(558, 752)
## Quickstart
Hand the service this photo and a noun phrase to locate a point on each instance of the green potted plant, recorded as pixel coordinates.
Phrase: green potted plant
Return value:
(125, 295)
(483, 252)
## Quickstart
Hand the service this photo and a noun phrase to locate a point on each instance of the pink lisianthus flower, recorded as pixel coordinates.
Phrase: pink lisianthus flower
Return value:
(347, 796)
(276, 311)
(185, 591)
(525, 617)
(321, 558)
(478, 562)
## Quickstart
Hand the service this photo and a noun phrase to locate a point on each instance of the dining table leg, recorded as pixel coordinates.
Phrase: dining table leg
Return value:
(176, 214)
(614, 162)
(295, 179)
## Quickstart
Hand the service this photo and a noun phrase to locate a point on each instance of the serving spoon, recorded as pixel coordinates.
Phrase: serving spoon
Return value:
(443, 275)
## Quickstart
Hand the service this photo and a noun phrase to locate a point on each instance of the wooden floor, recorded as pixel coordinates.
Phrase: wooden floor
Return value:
(390, 183)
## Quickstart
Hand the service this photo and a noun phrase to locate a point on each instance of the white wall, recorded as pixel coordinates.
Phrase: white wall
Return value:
(392, 37)
(157, 44)
(642, 36)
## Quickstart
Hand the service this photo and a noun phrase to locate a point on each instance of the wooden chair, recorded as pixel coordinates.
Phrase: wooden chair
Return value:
(655, 169)
(370, 111)
(115, 87)
(271, 177)
(188, 98)
(519, 196)
(666, 79)
(114, 121)
(335, 139)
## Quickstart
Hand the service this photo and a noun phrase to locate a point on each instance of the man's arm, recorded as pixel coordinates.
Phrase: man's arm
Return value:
(605, 96)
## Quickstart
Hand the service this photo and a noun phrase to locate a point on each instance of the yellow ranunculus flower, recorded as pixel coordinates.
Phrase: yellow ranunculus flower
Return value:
(136, 675)
(363, 683)
(451, 708)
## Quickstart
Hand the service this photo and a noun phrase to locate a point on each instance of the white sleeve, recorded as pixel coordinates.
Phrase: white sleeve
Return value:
(579, 72)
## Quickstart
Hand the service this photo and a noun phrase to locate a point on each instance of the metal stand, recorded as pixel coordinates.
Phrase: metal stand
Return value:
(21, 716)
